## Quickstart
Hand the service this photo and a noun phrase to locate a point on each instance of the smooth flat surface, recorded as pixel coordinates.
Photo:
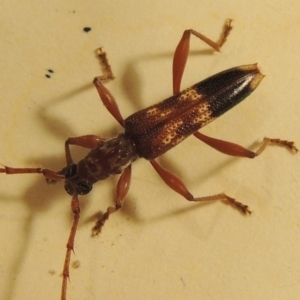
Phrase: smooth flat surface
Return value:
(159, 246)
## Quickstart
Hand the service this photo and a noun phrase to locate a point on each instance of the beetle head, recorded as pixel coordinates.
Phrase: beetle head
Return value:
(74, 184)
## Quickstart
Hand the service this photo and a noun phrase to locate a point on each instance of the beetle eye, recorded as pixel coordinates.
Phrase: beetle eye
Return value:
(71, 171)
(83, 188)
(69, 189)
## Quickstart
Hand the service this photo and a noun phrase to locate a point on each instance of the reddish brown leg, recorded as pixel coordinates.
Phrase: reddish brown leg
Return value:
(122, 190)
(179, 187)
(182, 50)
(48, 174)
(86, 141)
(70, 246)
(278, 142)
(105, 95)
(179, 62)
(237, 150)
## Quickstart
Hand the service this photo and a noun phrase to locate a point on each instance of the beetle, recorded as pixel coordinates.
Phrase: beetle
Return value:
(151, 132)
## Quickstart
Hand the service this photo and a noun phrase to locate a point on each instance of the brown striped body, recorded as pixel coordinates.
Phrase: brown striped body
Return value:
(154, 130)
(162, 126)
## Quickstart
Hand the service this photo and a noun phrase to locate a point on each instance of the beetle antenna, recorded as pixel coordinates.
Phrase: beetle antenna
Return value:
(70, 245)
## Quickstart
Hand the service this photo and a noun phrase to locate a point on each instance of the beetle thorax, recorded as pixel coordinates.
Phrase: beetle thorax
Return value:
(110, 157)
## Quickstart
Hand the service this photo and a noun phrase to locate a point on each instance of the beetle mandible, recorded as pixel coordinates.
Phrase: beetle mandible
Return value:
(153, 131)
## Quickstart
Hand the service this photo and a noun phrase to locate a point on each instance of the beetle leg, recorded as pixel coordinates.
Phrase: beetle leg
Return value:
(237, 150)
(89, 141)
(107, 71)
(182, 50)
(70, 246)
(48, 174)
(122, 190)
(179, 187)
(105, 95)
(284, 143)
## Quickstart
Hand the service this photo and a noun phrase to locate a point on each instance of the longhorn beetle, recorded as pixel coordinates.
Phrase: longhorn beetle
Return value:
(153, 131)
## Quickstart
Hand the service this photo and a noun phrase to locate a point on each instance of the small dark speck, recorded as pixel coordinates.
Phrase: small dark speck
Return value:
(76, 264)
(182, 281)
(51, 272)
(87, 29)
(49, 71)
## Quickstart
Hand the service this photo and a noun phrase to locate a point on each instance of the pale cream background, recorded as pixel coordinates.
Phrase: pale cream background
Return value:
(159, 246)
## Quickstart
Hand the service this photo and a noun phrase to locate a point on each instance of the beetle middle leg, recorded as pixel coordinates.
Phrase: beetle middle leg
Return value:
(179, 187)
(122, 190)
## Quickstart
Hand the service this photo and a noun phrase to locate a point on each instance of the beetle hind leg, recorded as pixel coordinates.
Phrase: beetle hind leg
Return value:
(178, 186)
(277, 142)
(182, 50)
(239, 151)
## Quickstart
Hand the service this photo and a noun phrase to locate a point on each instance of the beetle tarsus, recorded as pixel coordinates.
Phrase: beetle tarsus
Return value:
(277, 142)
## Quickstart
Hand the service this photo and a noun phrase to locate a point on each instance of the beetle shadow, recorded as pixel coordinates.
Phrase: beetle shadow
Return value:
(131, 78)
(37, 199)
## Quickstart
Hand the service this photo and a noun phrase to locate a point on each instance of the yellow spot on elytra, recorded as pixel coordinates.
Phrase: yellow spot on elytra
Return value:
(152, 111)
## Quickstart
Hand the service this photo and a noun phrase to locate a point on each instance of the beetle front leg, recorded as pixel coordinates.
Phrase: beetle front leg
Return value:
(179, 187)
(122, 190)
(89, 141)
(105, 95)
(239, 151)
(182, 50)
(50, 175)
